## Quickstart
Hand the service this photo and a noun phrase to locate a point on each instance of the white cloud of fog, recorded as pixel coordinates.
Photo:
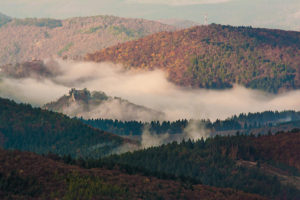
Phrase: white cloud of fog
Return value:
(150, 89)
(30, 90)
(194, 131)
(150, 140)
(113, 108)
(178, 2)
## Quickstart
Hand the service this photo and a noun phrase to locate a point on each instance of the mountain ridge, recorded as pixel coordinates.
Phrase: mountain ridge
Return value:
(40, 38)
(179, 23)
(215, 57)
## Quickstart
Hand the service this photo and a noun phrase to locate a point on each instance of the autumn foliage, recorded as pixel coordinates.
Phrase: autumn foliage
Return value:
(282, 148)
(215, 56)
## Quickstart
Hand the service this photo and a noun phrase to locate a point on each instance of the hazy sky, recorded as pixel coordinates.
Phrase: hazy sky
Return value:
(284, 14)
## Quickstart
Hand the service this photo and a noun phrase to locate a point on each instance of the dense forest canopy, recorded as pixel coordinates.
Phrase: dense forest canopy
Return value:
(248, 163)
(242, 122)
(216, 57)
(261, 165)
(25, 175)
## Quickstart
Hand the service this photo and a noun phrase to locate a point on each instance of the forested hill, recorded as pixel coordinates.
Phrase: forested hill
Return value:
(36, 38)
(33, 129)
(26, 175)
(265, 165)
(96, 104)
(216, 56)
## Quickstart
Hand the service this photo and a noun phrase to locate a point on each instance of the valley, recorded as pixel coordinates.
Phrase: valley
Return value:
(143, 102)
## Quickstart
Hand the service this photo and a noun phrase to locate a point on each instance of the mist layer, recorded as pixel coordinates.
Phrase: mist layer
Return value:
(150, 89)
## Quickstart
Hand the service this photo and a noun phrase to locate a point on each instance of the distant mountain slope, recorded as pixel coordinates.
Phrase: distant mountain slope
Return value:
(179, 23)
(4, 19)
(32, 129)
(34, 68)
(29, 176)
(86, 104)
(216, 56)
(27, 39)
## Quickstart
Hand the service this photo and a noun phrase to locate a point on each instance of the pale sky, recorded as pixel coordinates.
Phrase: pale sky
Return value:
(283, 14)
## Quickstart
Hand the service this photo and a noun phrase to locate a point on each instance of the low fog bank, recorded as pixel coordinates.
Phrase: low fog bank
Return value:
(194, 131)
(112, 108)
(150, 89)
